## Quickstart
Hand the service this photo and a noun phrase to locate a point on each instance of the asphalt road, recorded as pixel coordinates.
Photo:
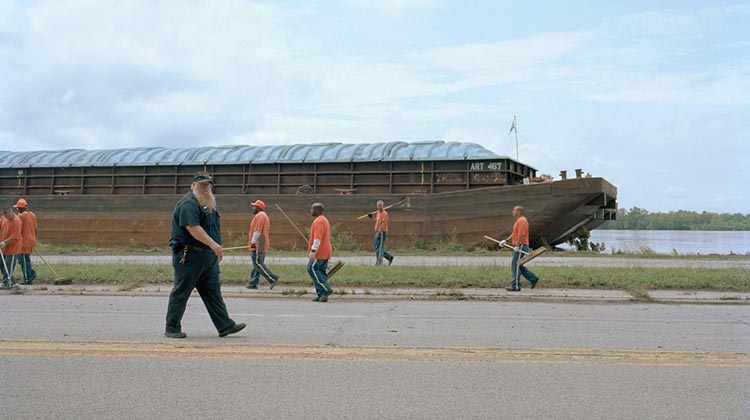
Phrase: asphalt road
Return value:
(99, 357)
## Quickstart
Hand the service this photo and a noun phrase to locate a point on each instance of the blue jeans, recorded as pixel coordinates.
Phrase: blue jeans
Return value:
(260, 269)
(10, 262)
(317, 270)
(515, 270)
(381, 243)
(29, 274)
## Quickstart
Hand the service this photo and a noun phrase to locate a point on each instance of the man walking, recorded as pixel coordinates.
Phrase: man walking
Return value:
(196, 254)
(319, 252)
(381, 232)
(28, 236)
(519, 238)
(10, 243)
(258, 239)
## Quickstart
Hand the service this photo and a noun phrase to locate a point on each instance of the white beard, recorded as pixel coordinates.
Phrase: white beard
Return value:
(205, 198)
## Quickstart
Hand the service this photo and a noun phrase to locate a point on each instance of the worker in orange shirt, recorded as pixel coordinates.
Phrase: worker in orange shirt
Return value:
(28, 235)
(10, 244)
(319, 251)
(381, 232)
(519, 238)
(258, 241)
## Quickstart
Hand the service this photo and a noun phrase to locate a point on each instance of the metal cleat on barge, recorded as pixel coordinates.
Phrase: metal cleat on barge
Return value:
(443, 190)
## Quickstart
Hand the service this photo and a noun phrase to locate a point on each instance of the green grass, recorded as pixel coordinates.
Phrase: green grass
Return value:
(451, 249)
(449, 277)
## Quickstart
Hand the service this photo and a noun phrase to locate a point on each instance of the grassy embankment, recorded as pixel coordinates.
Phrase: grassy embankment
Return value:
(449, 277)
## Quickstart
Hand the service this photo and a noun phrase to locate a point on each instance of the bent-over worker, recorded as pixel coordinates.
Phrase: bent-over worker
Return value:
(196, 254)
(519, 238)
(258, 241)
(10, 243)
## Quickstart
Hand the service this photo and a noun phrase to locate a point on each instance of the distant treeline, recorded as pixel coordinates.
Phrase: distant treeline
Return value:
(641, 219)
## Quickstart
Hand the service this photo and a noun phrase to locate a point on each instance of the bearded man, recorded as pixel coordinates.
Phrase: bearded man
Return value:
(196, 254)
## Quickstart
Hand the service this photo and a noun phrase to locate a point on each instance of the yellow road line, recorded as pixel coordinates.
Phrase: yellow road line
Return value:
(382, 354)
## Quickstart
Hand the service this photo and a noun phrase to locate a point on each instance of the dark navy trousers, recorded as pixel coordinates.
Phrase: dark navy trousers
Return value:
(199, 271)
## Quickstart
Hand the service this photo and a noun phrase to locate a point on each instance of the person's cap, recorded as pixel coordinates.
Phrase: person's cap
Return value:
(21, 204)
(203, 177)
(258, 203)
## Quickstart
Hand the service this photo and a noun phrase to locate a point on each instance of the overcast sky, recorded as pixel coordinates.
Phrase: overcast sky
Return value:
(652, 95)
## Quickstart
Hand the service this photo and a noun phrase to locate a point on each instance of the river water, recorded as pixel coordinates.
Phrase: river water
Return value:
(668, 241)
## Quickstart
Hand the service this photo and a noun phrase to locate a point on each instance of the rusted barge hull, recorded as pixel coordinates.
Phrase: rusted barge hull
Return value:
(454, 190)
(554, 209)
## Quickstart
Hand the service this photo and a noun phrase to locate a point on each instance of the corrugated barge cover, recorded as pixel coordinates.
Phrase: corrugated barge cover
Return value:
(241, 154)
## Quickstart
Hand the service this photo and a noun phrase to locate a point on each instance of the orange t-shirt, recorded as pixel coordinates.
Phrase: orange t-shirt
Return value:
(28, 231)
(321, 229)
(381, 221)
(262, 224)
(520, 234)
(11, 229)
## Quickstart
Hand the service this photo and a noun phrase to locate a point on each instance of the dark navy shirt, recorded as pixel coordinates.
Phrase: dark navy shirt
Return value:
(189, 212)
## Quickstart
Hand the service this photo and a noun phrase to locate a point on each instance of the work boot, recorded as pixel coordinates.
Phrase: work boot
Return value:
(233, 329)
(175, 334)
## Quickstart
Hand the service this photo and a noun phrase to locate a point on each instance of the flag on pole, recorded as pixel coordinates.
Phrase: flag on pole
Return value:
(513, 126)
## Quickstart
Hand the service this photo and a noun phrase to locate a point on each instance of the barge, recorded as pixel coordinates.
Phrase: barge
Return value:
(446, 191)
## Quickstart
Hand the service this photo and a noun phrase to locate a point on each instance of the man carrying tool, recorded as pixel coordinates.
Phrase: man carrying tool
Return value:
(28, 236)
(381, 232)
(196, 254)
(319, 251)
(10, 245)
(519, 238)
(258, 240)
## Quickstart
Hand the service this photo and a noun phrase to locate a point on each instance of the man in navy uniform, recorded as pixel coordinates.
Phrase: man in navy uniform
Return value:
(197, 252)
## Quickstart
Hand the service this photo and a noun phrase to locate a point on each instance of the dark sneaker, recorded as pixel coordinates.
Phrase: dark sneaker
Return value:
(175, 334)
(316, 299)
(534, 282)
(251, 286)
(324, 298)
(273, 283)
(390, 260)
(233, 329)
(513, 289)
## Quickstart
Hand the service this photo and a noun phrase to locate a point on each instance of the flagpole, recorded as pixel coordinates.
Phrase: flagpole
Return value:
(515, 127)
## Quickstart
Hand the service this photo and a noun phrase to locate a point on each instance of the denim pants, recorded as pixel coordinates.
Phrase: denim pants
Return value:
(199, 271)
(515, 270)
(29, 274)
(260, 269)
(317, 269)
(380, 241)
(10, 262)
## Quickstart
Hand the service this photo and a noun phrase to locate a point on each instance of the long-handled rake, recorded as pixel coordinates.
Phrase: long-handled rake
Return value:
(58, 279)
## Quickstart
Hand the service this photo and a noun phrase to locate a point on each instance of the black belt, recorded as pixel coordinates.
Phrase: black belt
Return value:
(199, 249)
(194, 248)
